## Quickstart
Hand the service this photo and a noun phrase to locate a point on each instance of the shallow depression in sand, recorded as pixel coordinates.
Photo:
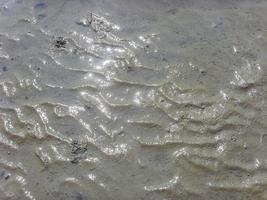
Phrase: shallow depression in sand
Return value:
(132, 100)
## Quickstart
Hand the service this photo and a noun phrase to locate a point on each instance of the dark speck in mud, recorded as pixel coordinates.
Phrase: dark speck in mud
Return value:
(87, 107)
(204, 72)
(60, 42)
(4, 68)
(147, 47)
(7, 176)
(74, 142)
(172, 11)
(164, 60)
(4, 175)
(26, 97)
(40, 6)
(130, 69)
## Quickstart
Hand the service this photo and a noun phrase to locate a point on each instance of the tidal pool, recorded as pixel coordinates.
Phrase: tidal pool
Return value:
(133, 99)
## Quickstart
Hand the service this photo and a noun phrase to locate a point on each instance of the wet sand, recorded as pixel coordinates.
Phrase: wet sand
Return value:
(133, 100)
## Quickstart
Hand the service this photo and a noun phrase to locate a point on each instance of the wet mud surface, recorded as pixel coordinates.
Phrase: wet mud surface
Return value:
(133, 100)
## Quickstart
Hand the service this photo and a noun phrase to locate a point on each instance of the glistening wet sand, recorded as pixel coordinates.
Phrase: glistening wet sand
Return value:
(133, 100)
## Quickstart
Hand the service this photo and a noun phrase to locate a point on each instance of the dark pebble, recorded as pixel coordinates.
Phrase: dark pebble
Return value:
(40, 5)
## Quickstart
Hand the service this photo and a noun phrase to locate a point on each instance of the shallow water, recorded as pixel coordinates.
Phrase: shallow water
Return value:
(132, 100)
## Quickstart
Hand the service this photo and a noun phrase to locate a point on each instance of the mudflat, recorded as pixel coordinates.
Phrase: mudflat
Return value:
(133, 100)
